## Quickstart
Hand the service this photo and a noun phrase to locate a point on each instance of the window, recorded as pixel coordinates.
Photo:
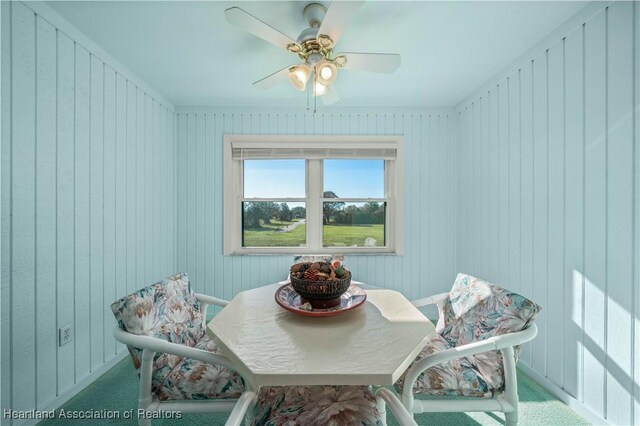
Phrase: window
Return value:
(312, 194)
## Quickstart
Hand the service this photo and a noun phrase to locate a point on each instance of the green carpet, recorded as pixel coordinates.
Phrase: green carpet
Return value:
(117, 390)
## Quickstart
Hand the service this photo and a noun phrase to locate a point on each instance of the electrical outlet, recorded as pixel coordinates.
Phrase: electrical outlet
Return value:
(65, 334)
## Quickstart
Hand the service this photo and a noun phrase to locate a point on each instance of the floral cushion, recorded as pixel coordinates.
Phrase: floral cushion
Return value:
(316, 406)
(166, 310)
(456, 377)
(477, 310)
(192, 379)
(474, 311)
(169, 310)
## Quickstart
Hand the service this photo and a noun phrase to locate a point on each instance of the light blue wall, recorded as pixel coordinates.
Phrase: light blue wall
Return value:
(430, 172)
(549, 205)
(87, 204)
(533, 183)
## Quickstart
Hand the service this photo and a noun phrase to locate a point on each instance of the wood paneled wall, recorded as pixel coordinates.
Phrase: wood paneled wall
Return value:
(87, 205)
(534, 184)
(428, 265)
(549, 205)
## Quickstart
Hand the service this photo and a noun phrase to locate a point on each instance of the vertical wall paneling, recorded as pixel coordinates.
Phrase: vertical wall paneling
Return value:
(504, 224)
(190, 208)
(526, 187)
(200, 186)
(574, 214)
(23, 194)
(146, 184)
(429, 177)
(555, 292)
(635, 291)
(46, 331)
(130, 160)
(146, 166)
(494, 186)
(570, 126)
(98, 308)
(595, 105)
(619, 212)
(181, 193)
(82, 197)
(476, 197)
(109, 230)
(121, 186)
(5, 225)
(151, 276)
(461, 210)
(484, 175)
(513, 111)
(139, 186)
(65, 205)
(540, 204)
(73, 135)
(209, 200)
(218, 124)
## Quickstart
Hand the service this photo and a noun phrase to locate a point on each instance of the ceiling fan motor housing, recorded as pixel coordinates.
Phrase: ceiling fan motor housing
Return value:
(308, 34)
(314, 13)
(310, 45)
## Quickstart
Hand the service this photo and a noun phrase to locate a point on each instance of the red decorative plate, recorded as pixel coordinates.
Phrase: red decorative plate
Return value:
(287, 297)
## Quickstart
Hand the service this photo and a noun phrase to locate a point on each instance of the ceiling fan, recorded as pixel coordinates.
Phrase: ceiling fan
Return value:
(314, 46)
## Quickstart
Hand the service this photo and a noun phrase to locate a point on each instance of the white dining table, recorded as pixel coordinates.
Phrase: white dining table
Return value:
(372, 344)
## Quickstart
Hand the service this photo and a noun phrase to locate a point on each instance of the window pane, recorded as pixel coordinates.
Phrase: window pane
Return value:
(269, 224)
(353, 224)
(354, 178)
(274, 179)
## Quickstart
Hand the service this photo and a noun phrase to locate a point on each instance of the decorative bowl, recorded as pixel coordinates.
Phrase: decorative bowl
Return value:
(321, 294)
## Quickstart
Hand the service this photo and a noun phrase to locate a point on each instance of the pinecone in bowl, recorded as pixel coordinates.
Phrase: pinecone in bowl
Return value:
(320, 283)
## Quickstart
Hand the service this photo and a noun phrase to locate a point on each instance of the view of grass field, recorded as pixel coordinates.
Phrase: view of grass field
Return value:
(351, 235)
(280, 233)
(268, 222)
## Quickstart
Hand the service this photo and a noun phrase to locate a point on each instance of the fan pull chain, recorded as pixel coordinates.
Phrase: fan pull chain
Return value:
(315, 94)
(308, 101)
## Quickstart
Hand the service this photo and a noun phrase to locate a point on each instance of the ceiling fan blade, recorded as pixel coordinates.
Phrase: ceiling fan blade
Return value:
(337, 17)
(273, 79)
(330, 97)
(255, 26)
(374, 62)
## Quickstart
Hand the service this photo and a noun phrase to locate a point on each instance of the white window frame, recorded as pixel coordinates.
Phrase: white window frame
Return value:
(393, 196)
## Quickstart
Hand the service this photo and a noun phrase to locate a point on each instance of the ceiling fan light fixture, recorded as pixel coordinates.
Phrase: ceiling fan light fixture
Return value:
(299, 75)
(327, 72)
(319, 89)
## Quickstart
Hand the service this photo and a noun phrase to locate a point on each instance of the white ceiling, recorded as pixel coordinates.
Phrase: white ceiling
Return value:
(191, 54)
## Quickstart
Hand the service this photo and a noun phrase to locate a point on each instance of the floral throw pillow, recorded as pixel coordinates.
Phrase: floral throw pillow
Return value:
(166, 310)
(477, 310)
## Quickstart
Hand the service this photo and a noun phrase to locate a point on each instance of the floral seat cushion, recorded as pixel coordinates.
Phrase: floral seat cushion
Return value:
(193, 379)
(457, 377)
(474, 311)
(169, 310)
(316, 406)
(166, 310)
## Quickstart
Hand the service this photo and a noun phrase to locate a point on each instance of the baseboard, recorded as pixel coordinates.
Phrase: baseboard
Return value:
(563, 396)
(65, 396)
